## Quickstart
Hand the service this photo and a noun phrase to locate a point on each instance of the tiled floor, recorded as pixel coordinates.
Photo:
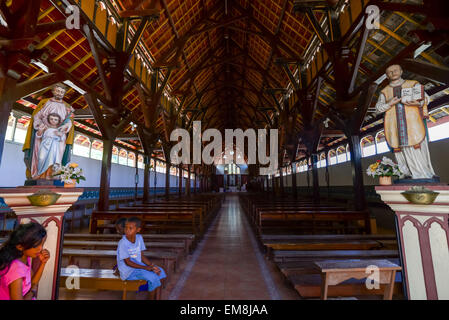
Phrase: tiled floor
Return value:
(227, 265)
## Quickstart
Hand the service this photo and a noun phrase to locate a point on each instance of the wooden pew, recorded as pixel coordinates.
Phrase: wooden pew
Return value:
(104, 279)
(279, 220)
(316, 255)
(168, 259)
(159, 220)
(187, 239)
(177, 247)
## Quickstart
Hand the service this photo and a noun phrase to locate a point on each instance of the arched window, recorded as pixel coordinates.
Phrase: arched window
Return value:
(368, 146)
(321, 161)
(131, 159)
(381, 142)
(348, 152)
(160, 166)
(289, 169)
(305, 165)
(10, 128)
(332, 156)
(96, 152)
(185, 174)
(21, 129)
(140, 163)
(173, 171)
(81, 146)
(341, 154)
(123, 157)
(114, 154)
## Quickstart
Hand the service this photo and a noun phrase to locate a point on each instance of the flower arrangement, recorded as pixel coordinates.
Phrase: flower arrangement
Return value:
(68, 173)
(384, 168)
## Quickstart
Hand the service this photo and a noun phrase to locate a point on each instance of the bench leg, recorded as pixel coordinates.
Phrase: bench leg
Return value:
(388, 293)
(124, 293)
(324, 286)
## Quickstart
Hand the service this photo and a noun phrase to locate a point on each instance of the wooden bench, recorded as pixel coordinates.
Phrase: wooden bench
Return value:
(103, 279)
(159, 220)
(177, 247)
(326, 237)
(326, 242)
(187, 239)
(309, 220)
(335, 272)
(168, 259)
(313, 255)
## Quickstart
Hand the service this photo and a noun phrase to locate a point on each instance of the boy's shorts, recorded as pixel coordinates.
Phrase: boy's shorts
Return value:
(153, 280)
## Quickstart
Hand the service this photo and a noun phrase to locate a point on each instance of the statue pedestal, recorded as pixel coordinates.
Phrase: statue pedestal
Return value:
(51, 217)
(424, 241)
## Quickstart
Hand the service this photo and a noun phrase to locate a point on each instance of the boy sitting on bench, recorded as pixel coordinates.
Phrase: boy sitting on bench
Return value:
(132, 264)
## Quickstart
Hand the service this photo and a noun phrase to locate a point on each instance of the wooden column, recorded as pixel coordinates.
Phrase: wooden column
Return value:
(146, 181)
(5, 110)
(281, 181)
(194, 183)
(167, 179)
(357, 173)
(294, 189)
(180, 181)
(188, 181)
(316, 182)
(103, 202)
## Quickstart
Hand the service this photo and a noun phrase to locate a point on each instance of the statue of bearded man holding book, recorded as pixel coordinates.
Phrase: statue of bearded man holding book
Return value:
(405, 105)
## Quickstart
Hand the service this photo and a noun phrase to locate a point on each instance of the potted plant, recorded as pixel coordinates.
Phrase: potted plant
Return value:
(70, 174)
(385, 169)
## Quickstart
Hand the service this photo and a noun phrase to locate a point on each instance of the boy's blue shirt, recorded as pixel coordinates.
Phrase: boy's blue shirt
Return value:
(127, 249)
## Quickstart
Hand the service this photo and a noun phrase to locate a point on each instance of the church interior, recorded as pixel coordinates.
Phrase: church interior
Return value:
(348, 99)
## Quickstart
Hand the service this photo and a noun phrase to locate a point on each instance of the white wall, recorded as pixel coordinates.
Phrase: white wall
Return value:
(341, 174)
(12, 171)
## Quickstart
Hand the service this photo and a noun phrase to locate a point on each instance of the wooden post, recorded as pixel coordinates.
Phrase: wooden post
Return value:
(316, 183)
(357, 172)
(294, 189)
(136, 178)
(281, 181)
(103, 202)
(180, 181)
(188, 181)
(146, 181)
(195, 182)
(5, 110)
(167, 179)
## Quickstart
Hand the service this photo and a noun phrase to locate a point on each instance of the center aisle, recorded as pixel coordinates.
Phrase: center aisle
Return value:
(227, 266)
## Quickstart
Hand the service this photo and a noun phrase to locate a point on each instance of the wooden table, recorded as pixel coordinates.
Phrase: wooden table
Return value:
(334, 272)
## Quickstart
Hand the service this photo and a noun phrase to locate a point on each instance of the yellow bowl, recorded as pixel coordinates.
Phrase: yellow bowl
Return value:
(43, 198)
(420, 197)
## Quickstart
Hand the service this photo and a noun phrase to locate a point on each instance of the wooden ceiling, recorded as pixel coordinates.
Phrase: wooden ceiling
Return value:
(231, 63)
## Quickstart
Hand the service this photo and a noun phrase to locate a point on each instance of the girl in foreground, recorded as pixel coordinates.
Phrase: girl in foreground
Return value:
(16, 279)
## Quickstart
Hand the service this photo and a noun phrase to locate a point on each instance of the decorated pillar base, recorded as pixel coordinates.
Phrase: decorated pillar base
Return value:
(424, 241)
(50, 205)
